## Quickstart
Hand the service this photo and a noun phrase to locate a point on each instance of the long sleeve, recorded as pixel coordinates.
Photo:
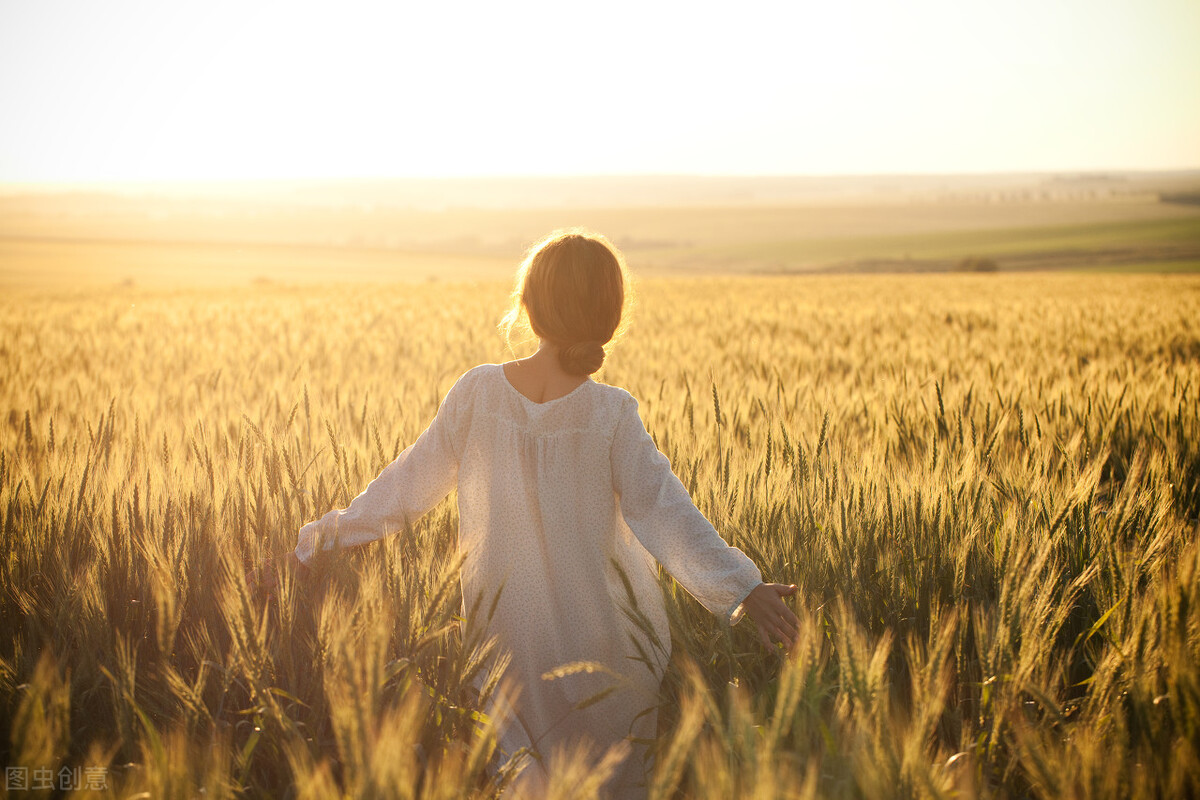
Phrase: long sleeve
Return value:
(661, 514)
(417, 480)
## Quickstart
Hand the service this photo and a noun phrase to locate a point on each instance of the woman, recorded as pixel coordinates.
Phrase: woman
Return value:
(565, 506)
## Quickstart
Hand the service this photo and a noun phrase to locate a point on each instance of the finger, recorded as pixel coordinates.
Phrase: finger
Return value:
(764, 638)
(790, 619)
(781, 611)
(780, 607)
(785, 636)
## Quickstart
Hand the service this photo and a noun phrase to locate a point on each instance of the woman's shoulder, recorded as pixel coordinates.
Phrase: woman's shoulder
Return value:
(475, 373)
(617, 395)
(617, 401)
(466, 385)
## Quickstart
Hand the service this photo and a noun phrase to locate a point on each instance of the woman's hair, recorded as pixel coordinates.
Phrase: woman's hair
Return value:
(571, 288)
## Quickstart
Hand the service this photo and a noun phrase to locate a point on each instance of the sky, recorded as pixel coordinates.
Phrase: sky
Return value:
(158, 91)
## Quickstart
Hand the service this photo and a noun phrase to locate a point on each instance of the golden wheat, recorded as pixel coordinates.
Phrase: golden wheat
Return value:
(987, 488)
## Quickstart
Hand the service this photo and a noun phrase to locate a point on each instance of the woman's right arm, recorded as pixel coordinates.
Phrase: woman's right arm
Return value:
(661, 514)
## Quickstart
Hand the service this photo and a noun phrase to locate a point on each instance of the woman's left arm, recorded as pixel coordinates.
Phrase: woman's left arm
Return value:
(408, 487)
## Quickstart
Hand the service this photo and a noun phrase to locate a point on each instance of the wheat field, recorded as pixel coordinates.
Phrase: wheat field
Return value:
(986, 487)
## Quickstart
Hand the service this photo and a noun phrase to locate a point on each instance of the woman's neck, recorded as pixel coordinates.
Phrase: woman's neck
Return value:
(540, 377)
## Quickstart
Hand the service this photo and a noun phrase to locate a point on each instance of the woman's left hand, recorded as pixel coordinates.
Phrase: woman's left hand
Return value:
(264, 579)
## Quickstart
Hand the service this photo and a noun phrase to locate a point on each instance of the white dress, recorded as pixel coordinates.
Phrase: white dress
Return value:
(552, 497)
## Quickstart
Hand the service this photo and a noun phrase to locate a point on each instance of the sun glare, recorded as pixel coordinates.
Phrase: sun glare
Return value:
(146, 91)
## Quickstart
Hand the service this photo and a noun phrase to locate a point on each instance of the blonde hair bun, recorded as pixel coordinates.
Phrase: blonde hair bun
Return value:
(582, 358)
(571, 291)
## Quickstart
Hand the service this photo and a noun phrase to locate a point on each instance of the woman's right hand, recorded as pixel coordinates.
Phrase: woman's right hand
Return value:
(774, 619)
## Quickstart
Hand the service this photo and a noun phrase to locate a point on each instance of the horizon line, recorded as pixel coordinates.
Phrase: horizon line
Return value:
(1098, 172)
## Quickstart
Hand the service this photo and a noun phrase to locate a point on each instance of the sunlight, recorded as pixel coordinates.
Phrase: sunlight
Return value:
(151, 91)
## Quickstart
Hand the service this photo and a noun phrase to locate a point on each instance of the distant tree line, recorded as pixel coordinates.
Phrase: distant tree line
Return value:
(1190, 198)
(976, 264)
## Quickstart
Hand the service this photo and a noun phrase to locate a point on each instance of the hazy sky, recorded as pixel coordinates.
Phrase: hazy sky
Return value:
(120, 90)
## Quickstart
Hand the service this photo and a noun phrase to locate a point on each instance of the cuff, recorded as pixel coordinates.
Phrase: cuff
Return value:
(738, 611)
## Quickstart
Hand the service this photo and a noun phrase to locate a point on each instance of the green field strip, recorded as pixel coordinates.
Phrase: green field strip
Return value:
(1171, 233)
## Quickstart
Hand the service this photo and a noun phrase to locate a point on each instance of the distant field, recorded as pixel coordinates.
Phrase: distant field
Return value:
(1143, 242)
(95, 239)
(1166, 267)
(54, 263)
